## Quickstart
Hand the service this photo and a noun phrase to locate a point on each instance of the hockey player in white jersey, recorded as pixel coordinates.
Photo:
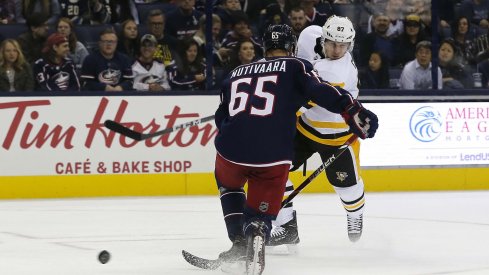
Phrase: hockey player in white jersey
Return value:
(321, 131)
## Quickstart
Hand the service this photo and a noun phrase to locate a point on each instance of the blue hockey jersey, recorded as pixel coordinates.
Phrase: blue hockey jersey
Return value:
(257, 115)
(56, 77)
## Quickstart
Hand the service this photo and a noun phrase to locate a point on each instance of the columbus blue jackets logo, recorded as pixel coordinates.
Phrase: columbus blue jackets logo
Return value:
(426, 124)
(150, 79)
(62, 80)
(110, 76)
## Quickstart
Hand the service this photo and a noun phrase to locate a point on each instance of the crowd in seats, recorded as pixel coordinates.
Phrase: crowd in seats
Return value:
(109, 48)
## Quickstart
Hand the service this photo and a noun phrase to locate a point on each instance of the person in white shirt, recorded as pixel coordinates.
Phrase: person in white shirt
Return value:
(416, 75)
(320, 131)
(149, 74)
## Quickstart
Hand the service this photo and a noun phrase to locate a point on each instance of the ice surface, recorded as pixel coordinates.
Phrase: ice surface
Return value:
(404, 233)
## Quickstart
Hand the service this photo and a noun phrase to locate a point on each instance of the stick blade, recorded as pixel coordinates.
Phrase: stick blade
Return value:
(201, 262)
(121, 129)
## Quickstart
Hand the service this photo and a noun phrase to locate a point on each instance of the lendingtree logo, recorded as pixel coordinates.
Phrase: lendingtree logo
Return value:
(425, 124)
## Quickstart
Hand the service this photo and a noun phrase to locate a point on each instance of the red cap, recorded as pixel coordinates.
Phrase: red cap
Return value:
(53, 39)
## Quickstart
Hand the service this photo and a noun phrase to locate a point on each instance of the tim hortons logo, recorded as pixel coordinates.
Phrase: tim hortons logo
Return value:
(27, 128)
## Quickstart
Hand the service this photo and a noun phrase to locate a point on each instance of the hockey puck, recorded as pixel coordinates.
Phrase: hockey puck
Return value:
(104, 256)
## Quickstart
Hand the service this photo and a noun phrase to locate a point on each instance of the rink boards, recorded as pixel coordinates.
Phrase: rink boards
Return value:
(58, 147)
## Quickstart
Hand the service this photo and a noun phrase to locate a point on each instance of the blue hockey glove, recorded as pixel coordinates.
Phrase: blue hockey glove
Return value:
(362, 122)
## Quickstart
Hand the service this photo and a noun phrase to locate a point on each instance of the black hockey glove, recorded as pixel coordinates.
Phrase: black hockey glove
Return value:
(318, 48)
(362, 122)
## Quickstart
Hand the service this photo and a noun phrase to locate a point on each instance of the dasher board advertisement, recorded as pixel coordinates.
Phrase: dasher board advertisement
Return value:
(428, 134)
(66, 135)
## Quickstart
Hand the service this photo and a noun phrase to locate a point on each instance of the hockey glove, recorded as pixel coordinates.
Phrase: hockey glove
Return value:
(318, 48)
(362, 122)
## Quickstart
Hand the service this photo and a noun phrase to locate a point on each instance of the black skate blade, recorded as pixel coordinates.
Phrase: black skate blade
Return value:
(201, 262)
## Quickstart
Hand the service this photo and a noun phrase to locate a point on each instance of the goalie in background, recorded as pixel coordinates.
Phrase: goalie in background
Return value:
(321, 131)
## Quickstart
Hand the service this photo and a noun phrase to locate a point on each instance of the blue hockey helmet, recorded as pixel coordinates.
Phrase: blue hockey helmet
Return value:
(279, 37)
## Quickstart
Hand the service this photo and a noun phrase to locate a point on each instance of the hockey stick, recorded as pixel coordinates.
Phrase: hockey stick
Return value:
(320, 169)
(126, 131)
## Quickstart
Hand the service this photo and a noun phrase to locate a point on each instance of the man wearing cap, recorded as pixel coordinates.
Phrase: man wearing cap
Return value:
(406, 42)
(149, 74)
(416, 75)
(55, 72)
(107, 69)
(33, 40)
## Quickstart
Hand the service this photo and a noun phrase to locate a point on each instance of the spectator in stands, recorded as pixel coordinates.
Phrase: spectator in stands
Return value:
(78, 51)
(122, 10)
(298, 20)
(15, 71)
(241, 31)
(188, 73)
(166, 45)
(129, 39)
(149, 75)
(421, 8)
(48, 8)
(225, 13)
(394, 10)
(107, 69)
(416, 75)
(243, 53)
(316, 13)
(376, 75)
(220, 54)
(406, 42)
(85, 11)
(183, 22)
(453, 72)
(33, 40)
(272, 15)
(463, 34)
(378, 40)
(55, 72)
(476, 12)
(7, 11)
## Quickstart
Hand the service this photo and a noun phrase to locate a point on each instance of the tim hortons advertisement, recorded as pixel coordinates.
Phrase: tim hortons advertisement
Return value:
(419, 134)
(67, 136)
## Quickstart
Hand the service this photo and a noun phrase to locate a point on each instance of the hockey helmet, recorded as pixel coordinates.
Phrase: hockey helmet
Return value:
(279, 37)
(339, 29)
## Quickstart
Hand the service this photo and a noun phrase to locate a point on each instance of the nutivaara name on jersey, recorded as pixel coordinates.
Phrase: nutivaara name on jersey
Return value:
(265, 67)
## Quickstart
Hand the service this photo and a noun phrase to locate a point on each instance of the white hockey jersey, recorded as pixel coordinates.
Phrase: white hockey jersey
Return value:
(307, 41)
(319, 124)
(144, 77)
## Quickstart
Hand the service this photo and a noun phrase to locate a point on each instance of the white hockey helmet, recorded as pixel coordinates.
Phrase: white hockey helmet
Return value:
(339, 29)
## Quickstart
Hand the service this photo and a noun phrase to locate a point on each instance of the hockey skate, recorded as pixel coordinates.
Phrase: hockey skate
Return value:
(355, 226)
(233, 260)
(255, 255)
(286, 234)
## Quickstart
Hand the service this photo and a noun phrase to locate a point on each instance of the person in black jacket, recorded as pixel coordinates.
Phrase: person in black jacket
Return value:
(376, 75)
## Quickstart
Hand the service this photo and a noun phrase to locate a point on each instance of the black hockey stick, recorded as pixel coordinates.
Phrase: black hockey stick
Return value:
(320, 169)
(126, 131)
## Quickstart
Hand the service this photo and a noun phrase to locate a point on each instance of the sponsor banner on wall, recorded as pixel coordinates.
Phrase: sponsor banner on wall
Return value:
(66, 136)
(429, 133)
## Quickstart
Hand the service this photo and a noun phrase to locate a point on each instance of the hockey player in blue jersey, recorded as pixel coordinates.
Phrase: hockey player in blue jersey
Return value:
(257, 124)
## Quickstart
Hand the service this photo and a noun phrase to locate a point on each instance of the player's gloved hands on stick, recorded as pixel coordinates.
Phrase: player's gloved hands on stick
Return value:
(362, 122)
